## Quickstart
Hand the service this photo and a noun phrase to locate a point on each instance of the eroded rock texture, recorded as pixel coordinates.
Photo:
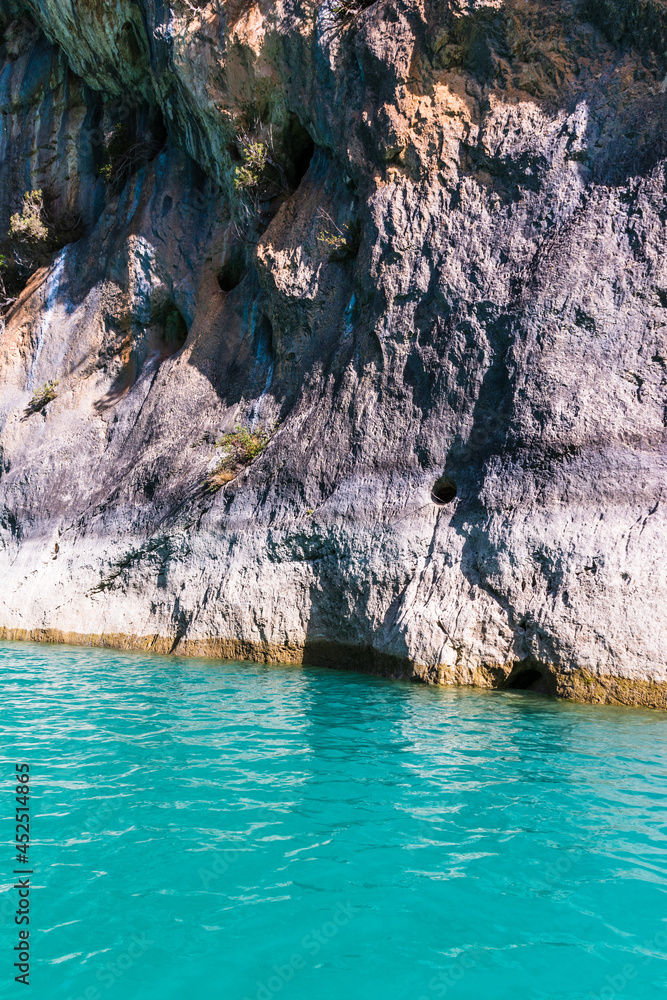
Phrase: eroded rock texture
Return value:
(496, 314)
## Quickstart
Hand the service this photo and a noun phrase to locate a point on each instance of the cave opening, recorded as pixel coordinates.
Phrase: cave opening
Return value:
(443, 491)
(301, 148)
(232, 270)
(175, 332)
(130, 137)
(528, 680)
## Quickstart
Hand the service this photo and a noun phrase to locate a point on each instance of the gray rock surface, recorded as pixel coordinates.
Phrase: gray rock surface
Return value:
(503, 323)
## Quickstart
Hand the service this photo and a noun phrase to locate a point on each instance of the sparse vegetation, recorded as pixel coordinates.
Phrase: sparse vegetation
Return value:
(28, 237)
(342, 244)
(255, 160)
(233, 8)
(123, 154)
(268, 153)
(27, 227)
(260, 174)
(32, 240)
(241, 446)
(42, 397)
(262, 145)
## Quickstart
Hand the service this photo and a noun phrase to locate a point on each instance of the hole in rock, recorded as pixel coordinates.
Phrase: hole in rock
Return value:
(167, 204)
(301, 149)
(175, 332)
(131, 138)
(529, 680)
(232, 270)
(150, 487)
(443, 491)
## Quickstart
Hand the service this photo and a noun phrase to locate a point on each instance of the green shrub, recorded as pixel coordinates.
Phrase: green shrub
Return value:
(31, 242)
(192, 6)
(28, 227)
(241, 446)
(42, 396)
(256, 158)
(28, 246)
(28, 236)
(342, 244)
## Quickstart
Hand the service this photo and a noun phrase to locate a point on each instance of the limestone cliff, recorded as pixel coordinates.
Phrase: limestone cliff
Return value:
(411, 241)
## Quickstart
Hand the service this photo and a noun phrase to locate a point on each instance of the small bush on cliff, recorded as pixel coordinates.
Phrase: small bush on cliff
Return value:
(33, 238)
(28, 234)
(28, 245)
(255, 160)
(342, 244)
(261, 173)
(241, 446)
(42, 397)
(27, 227)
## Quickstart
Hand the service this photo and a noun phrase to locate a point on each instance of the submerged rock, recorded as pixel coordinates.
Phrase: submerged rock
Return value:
(419, 244)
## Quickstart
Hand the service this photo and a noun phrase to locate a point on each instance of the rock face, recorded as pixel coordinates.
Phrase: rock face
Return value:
(418, 241)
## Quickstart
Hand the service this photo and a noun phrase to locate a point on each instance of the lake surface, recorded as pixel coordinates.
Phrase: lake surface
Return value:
(242, 832)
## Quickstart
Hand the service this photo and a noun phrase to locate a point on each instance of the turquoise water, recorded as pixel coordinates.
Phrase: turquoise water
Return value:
(236, 831)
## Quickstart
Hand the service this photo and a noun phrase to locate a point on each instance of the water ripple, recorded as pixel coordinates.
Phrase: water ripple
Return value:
(246, 832)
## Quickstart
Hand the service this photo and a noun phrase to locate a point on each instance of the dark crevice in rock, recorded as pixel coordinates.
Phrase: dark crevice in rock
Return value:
(443, 491)
(133, 345)
(175, 332)
(527, 677)
(233, 269)
(130, 45)
(128, 139)
(264, 341)
(302, 149)
(172, 330)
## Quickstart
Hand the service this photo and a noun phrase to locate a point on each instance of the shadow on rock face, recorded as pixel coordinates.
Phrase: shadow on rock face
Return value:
(140, 346)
